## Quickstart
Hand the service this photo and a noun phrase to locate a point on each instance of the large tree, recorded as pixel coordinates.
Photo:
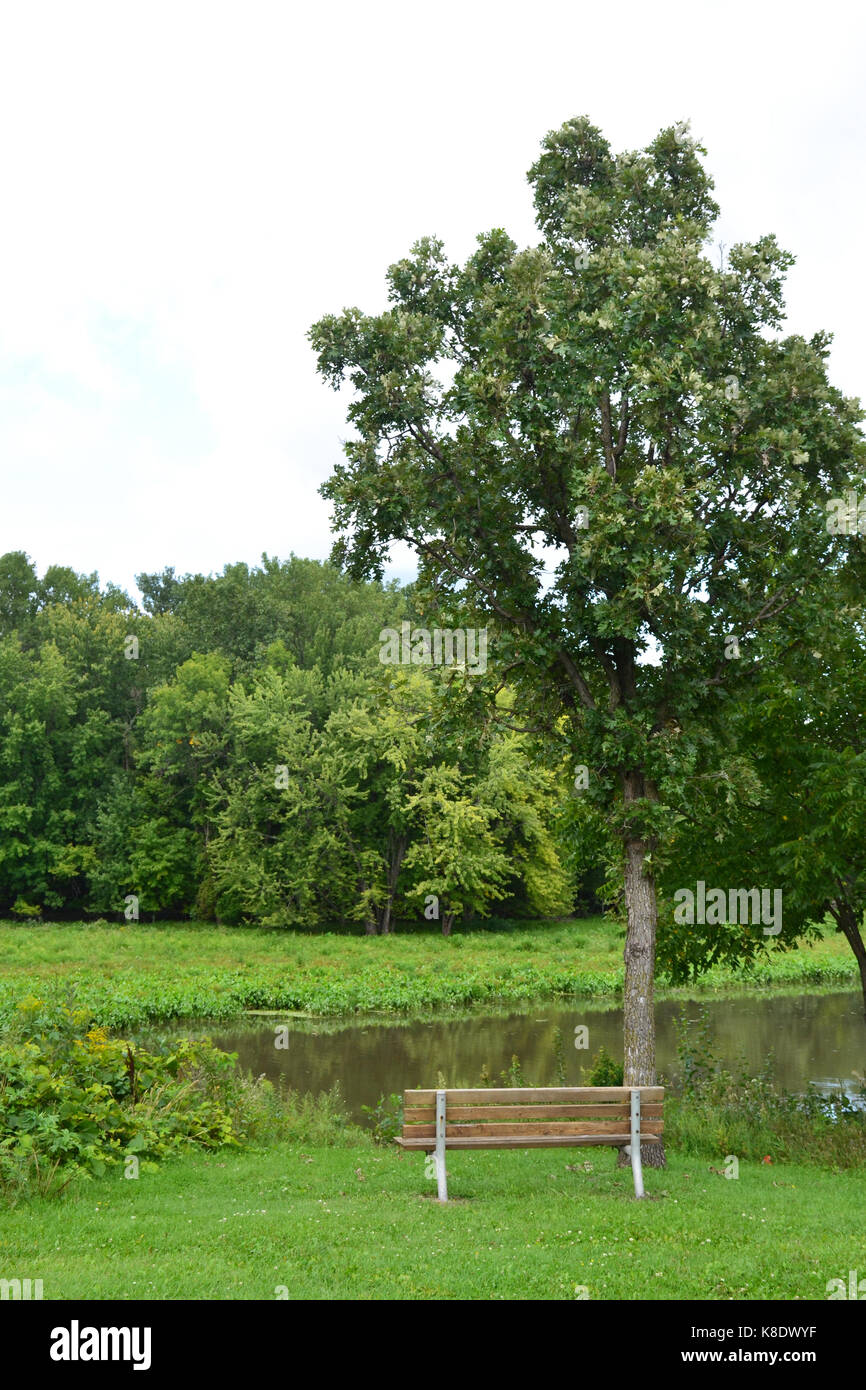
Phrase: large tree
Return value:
(603, 443)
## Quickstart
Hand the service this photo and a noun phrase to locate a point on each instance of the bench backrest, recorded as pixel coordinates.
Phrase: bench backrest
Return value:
(587, 1114)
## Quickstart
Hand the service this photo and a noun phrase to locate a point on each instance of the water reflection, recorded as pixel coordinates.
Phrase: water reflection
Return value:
(846, 1093)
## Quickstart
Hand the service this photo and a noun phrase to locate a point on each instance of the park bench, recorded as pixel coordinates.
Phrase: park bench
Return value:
(533, 1118)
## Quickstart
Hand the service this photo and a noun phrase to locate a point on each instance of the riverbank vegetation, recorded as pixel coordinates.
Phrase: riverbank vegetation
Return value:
(76, 1103)
(127, 976)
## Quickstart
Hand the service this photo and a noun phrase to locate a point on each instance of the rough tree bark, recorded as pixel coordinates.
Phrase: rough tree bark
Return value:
(370, 922)
(847, 920)
(639, 1059)
(397, 845)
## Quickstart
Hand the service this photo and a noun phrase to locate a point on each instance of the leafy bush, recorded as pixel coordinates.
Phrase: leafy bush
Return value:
(74, 1101)
(25, 909)
(514, 1075)
(386, 1117)
(698, 1063)
(604, 1071)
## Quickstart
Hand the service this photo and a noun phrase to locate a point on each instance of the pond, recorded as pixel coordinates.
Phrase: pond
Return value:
(814, 1038)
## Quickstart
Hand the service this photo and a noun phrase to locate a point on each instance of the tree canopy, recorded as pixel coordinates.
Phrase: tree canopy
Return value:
(239, 750)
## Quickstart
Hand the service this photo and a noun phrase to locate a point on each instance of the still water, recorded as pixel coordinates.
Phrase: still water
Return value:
(814, 1038)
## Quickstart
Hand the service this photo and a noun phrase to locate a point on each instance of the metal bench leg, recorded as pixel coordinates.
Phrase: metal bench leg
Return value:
(634, 1146)
(441, 1175)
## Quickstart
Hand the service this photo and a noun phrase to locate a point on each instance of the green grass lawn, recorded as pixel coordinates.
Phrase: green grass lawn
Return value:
(360, 1222)
(132, 974)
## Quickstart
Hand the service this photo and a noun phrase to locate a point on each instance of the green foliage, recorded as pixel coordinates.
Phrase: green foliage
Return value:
(456, 857)
(24, 909)
(298, 610)
(694, 1051)
(789, 808)
(239, 751)
(604, 1071)
(386, 1118)
(270, 1114)
(74, 1101)
(131, 974)
(513, 1075)
(559, 1056)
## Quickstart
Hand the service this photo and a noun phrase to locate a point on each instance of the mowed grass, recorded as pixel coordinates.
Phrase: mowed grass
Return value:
(361, 1223)
(132, 974)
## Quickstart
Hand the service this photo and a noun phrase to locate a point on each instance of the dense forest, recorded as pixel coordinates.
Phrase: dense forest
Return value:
(238, 751)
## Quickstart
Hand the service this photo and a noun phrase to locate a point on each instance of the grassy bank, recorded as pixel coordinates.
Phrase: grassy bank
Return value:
(131, 975)
(359, 1222)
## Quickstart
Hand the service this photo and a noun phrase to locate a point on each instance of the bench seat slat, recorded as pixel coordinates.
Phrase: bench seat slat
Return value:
(426, 1114)
(523, 1095)
(601, 1127)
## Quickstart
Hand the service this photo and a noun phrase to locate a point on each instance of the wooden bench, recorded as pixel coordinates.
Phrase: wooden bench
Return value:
(533, 1118)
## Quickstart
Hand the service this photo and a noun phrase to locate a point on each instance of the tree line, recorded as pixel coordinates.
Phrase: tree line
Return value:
(237, 750)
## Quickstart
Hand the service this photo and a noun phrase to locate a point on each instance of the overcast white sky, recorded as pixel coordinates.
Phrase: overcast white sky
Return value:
(186, 187)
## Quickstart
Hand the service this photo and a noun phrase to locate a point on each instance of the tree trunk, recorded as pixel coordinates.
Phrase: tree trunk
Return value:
(638, 1015)
(848, 925)
(397, 845)
(370, 924)
(447, 923)
(638, 1012)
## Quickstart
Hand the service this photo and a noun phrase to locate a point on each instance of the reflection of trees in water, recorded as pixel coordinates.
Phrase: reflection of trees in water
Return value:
(811, 1036)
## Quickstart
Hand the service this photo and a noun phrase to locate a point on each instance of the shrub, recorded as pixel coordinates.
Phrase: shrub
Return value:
(514, 1075)
(25, 909)
(386, 1117)
(74, 1101)
(604, 1071)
